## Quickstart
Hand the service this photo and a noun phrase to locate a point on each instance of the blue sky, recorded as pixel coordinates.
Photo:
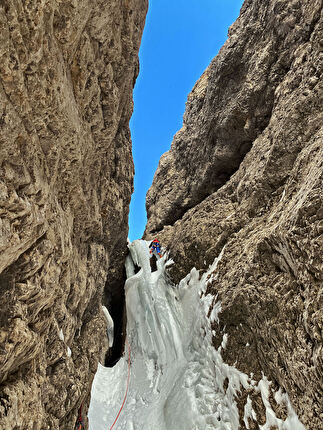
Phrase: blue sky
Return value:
(180, 39)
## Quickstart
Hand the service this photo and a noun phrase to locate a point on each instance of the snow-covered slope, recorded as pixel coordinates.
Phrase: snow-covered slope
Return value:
(178, 380)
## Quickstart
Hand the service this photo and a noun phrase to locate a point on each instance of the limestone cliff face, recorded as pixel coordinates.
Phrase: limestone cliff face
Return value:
(67, 69)
(245, 172)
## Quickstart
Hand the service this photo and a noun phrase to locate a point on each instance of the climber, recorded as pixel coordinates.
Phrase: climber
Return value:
(155, 247)
(79, 423)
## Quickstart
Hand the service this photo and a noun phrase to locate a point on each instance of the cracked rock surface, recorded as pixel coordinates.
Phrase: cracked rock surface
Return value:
(246, 172)
(67, 70)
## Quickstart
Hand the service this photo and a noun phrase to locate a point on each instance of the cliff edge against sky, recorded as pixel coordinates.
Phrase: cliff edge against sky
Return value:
(67, 70)
(245, 173)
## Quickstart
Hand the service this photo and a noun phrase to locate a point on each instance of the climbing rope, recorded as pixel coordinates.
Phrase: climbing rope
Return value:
(79, 423)
(128, 379)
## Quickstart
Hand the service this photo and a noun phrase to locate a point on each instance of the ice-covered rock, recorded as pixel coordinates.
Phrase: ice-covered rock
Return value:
(178, 380)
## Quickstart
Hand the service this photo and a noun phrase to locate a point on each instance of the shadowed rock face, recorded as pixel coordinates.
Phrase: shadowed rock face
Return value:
(246, 171)
(67, 69)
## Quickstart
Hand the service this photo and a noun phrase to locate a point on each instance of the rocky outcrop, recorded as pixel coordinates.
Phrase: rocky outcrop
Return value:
(245, 172)
(67, 69)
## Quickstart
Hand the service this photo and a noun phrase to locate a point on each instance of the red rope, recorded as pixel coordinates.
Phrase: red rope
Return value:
(80, 413)
(79, 423)
(125, 397)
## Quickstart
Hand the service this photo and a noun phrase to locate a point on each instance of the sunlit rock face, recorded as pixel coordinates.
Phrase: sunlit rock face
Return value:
(67, 70)
(246, 172)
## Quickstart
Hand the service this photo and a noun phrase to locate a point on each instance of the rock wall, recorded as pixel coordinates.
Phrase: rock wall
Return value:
(246, 172)
(67, 70)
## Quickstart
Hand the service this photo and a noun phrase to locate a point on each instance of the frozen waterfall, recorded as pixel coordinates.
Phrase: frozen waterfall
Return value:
(176, 375)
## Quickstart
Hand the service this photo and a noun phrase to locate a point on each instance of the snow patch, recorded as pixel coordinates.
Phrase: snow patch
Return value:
(249, 413)
(291, 423)
(214, 316)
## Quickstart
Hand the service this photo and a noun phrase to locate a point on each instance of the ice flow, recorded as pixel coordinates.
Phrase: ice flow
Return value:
(176, 375)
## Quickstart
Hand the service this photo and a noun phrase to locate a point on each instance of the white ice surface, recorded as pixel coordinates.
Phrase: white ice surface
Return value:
(110, 325)
(177, 377)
